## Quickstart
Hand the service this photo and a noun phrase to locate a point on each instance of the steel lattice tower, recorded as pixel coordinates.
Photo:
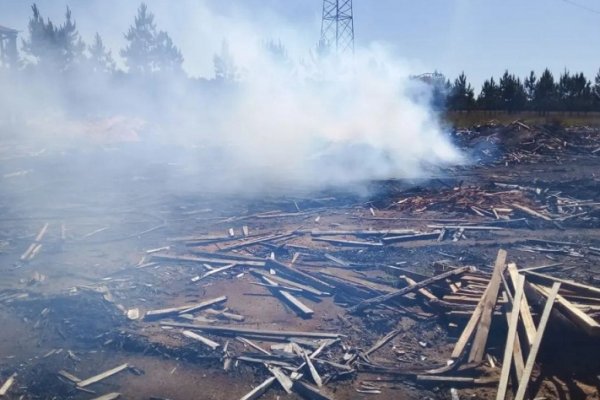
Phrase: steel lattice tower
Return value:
(337, 26)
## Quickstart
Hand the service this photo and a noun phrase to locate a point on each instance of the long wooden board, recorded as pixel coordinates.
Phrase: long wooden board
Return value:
(390, 296)
(489, 302)
(521, 391)
(510, 338)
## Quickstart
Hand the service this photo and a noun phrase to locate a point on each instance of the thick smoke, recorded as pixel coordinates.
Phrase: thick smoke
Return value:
(276, 119)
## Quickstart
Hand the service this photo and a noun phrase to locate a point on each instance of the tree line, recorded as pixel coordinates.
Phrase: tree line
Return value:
(569, 92)
(149, 51)
(59, 48)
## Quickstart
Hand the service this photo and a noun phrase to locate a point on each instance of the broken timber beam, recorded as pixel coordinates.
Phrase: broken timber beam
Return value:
(390, 296)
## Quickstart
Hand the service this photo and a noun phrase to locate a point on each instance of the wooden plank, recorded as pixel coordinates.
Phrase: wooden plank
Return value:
(510, 338)
(524, 309)
(206, 341)
(384, 232)
(297, 274)
(313, 371)
(284, 281)
(423, 292)
(109, 396)
(284, 380)
(489, 302)
(521, 391)
(381, 342)
(230, 330)
(204, 304)
(574, 286)
(350, 243)
(408, 238)
(299, 307)
(185, 309)
(468, 331)
(531, 212)
(207, 260)
(7, 385)
(575, 314)
(256, 241)
(102, 376)
(259, 390)
(69, 376)
(390, 296)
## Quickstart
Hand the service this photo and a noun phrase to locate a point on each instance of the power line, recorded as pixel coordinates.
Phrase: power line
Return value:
(582, 6)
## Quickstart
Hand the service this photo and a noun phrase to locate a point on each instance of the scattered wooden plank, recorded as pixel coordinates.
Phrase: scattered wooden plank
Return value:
(7, 385)
(351, 243)
(576, 315)
(521, 391)
(423, 292)
(467, 227)
(253, 332)
(284, 380)
(571, 285)
(390, 296)
(259, 240)
(489, 302)
(206, 341)
(381, 342)
(206, 260)
(299, 307)
(253, 345)
(385, 232)
(186, 309)
(69, 376)
(409, 238)
(297, 274)
(524, 310)
(313, 371)
(102, 376)
(531, 212)
(216, 271)
(309, 392)
(259, 390)
(510, 338)
(109, 396)
(288, 282)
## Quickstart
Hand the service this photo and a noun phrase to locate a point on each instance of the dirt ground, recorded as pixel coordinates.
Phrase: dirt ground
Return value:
(103, 220)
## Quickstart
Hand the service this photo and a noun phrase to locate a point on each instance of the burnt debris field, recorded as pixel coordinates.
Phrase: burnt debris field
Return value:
(479, 281)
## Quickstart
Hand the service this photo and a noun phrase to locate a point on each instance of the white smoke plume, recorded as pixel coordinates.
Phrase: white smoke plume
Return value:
(288, 120)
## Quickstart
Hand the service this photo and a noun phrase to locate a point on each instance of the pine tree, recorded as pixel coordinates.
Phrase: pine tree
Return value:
(490, 96)
(100, 58)
(138, 53)
(529, 84)
(512, 93)
(545, 96)
(70, 43)
(225, 68)
(462, 96)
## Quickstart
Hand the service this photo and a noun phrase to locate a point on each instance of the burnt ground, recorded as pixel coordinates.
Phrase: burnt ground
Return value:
(65, 308)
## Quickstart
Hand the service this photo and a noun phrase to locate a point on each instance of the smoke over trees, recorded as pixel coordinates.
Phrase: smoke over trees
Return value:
(57, 48)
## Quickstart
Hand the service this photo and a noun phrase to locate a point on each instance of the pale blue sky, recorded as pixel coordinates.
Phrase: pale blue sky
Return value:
(481, 37)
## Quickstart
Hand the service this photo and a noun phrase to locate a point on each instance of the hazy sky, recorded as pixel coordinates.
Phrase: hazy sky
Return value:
(481, 37)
